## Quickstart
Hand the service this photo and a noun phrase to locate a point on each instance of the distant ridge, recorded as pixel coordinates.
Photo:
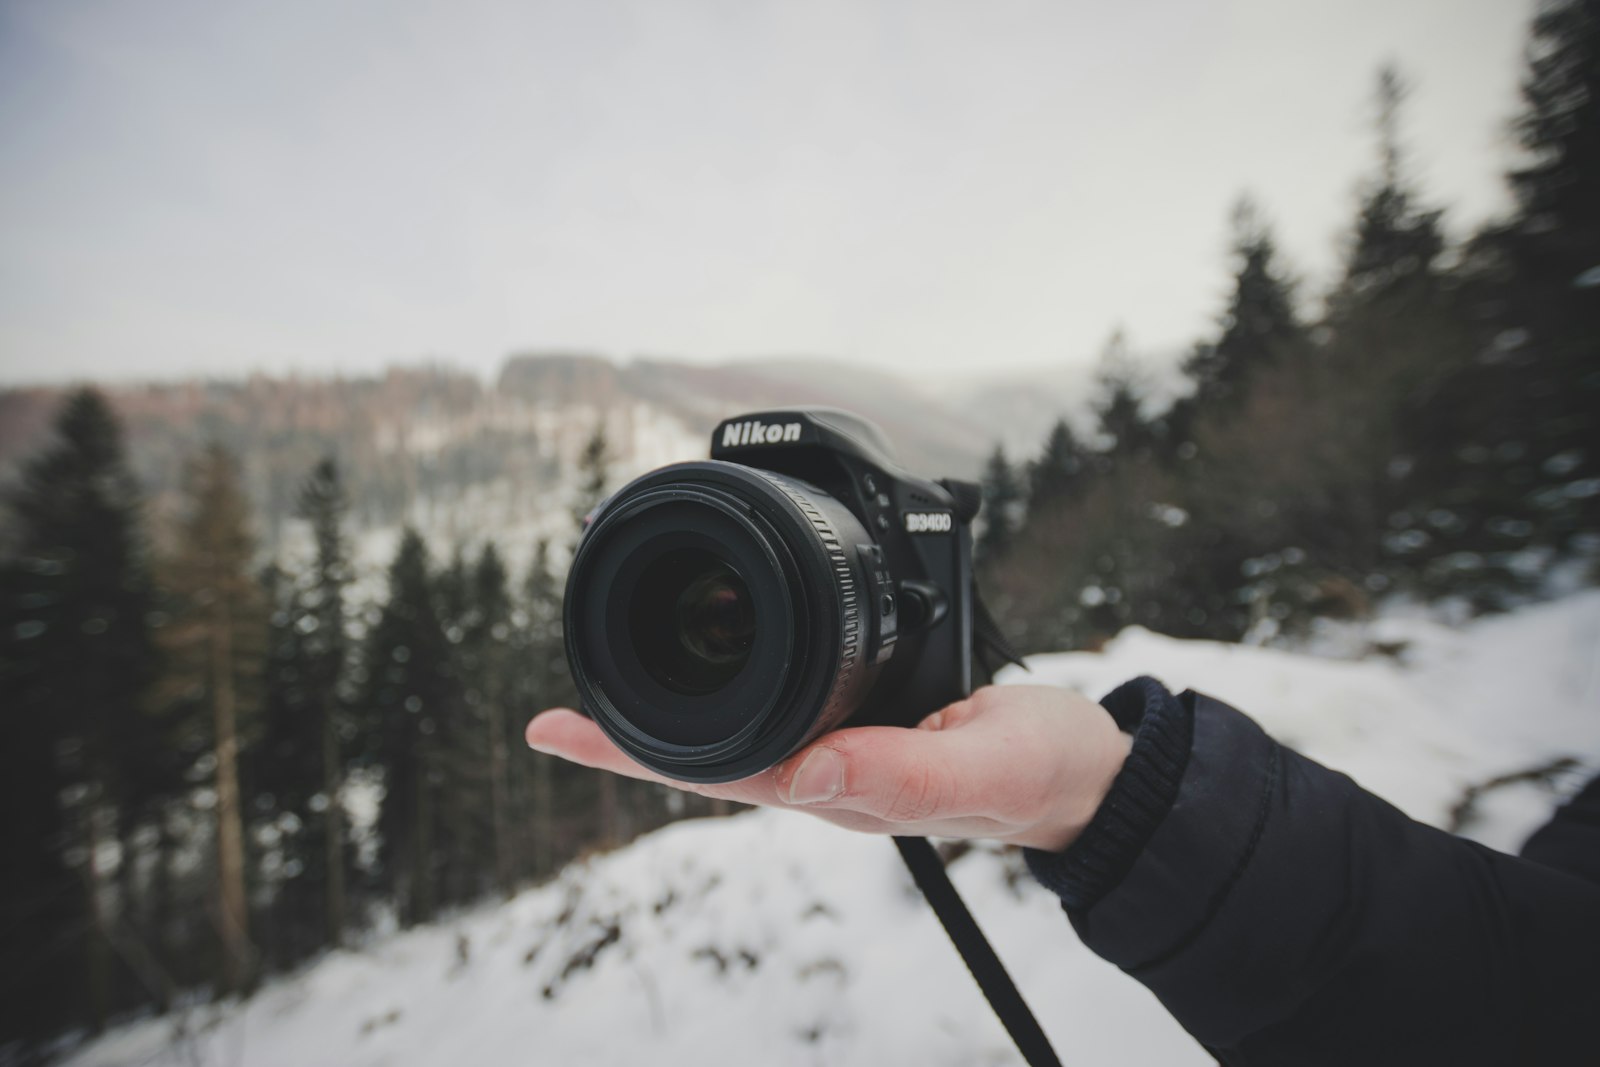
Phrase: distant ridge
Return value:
(440, 448)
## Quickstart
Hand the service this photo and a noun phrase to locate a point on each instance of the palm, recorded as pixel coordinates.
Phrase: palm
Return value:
(1026, 764)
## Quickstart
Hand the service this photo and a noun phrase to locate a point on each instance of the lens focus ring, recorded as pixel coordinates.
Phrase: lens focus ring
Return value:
(840, 698)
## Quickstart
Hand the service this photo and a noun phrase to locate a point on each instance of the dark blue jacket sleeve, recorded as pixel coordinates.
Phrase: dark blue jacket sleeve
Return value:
(1284, 915)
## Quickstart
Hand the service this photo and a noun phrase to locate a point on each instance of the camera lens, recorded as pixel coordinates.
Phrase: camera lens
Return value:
(692, 621)
(715, 620)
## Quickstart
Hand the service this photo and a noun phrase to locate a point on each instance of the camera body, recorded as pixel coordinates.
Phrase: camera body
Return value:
(721, 614)
(916, 558)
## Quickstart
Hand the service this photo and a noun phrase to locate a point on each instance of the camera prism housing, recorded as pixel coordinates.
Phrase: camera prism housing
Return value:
(721, 614)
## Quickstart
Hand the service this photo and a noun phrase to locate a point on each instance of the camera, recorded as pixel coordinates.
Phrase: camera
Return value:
(721, 614)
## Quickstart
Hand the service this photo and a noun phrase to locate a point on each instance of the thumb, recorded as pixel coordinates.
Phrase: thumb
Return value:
(891, 773)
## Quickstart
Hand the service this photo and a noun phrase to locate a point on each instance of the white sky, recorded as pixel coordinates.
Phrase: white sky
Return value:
(944, 184)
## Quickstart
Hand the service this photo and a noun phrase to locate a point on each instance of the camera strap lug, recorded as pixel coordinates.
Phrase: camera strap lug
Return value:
(991, 649)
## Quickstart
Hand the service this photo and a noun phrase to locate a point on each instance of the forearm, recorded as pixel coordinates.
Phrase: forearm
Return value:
(1283, 914)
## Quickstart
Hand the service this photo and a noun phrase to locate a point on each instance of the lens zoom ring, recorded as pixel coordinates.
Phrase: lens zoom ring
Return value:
(851, 634)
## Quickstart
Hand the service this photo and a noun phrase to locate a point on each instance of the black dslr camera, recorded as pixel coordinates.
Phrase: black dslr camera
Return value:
(721, 614)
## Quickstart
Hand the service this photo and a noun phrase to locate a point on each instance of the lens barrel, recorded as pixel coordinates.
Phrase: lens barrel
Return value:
(714, 619)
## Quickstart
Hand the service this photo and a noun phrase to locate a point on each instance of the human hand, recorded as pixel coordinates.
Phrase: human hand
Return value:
(1023, 764)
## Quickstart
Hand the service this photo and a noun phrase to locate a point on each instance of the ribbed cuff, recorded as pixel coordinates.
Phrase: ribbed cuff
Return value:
(1140, 797)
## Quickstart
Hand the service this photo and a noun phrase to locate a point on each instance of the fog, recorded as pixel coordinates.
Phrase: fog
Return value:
(930, 188)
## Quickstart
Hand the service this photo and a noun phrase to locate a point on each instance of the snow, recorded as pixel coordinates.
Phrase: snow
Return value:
(772, 938)
(1446, 708)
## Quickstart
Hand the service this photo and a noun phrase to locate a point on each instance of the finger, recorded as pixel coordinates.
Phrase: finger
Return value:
(569, 735)
(565, 733)
(894, 774)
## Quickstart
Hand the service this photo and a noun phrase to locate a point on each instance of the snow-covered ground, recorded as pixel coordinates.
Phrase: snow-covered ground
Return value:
(771, 938)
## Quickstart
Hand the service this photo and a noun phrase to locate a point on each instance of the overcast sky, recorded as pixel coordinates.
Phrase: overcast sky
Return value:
(224, 187)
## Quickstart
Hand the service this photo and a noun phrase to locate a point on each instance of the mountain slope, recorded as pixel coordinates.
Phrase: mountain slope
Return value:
(773, 938)
(461, 459)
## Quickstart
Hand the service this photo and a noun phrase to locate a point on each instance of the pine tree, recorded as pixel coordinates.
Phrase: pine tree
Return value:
(323, 505)
(1126, 574)
(1370, 405)
(594, 473)
(1127, 431)
(542, 681)
(286, 781)
(407, 690)
(298, 771)
(1056, 475)
(489, 638)
(1002, 506)
(217, 644)
(1392, 253)
(1259, 326)
(1243, 378)
(465, 842)
(78, 661)
(1531, 404)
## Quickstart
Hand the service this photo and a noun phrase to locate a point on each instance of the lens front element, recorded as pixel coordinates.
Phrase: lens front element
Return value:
(693, 621)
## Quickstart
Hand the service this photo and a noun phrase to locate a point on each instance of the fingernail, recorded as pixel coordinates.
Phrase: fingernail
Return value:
(820, 777)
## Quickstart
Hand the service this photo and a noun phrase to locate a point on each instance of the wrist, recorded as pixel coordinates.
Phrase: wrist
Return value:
(1083, 789)
(1140, 795)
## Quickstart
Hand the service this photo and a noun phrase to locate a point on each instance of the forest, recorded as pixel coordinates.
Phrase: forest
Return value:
(222, 762)
(1431, 432)
(221, 767)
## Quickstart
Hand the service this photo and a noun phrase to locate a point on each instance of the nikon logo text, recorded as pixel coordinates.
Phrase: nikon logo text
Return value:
(928, 522)
(755, 432)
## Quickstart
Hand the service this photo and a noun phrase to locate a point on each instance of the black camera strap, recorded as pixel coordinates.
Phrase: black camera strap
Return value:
(990, 651)
(927, 870)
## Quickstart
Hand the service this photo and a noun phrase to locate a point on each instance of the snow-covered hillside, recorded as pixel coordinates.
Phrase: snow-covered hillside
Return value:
(771, 938)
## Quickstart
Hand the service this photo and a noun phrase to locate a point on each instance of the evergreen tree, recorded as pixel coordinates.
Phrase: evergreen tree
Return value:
(1258, 327)
(298, 771)
(323, 623)
(489, 639)
(1056, 475)
(465, 842)
(1392, 252)
(1392, 335)
(407, 690)
(594, 473)
(286, 781)
(77, 665)
(1002, 507)
(1127, 568)
(1530, 405)
(1126, 430)
(540, 681)
(1353, 426)
(1237, 375)
(217, 646)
